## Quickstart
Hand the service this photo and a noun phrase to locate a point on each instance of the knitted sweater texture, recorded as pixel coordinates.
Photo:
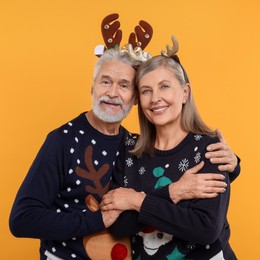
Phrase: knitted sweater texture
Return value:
(74, 161)
(192, 229)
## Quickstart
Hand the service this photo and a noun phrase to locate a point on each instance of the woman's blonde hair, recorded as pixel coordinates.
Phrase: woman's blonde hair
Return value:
(190, 118)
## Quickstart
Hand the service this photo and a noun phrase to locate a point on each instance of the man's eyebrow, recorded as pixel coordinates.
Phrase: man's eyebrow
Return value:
(110, 78)
(125, 81)
(106, 77)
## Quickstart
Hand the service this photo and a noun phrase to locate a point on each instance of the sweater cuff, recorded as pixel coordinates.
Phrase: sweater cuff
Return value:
(163, 192)
(149, 207)
(94, 222)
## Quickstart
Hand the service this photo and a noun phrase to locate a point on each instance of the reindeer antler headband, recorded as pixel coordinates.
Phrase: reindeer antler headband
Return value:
(137, 41)
(172, 53)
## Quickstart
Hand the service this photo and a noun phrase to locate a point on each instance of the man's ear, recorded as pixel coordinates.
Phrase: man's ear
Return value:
(136, 98)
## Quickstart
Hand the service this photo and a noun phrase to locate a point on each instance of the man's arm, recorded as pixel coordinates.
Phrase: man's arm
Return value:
(33, 214)
(193, 185)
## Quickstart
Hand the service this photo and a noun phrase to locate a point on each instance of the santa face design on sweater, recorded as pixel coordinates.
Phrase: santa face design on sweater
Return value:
(153, 240)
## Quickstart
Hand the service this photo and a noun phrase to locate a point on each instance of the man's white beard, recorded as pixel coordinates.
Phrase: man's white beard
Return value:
(108, 115)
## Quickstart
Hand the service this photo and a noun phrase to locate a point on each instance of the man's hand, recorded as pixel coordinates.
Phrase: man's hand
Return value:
(193, 185)
(221, 153)
(110, 216)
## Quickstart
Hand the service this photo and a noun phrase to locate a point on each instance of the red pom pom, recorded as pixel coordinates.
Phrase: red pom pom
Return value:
(119, 252)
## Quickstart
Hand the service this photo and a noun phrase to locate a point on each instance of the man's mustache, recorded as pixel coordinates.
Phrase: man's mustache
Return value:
(114, 101)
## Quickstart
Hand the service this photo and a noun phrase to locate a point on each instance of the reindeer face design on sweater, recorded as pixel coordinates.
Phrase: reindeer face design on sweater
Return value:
(154, 239)
(100, 245)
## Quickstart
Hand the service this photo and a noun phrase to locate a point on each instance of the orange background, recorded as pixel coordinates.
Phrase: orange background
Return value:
(46, 61)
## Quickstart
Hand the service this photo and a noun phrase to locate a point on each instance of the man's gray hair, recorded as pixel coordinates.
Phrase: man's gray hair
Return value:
(114, 54)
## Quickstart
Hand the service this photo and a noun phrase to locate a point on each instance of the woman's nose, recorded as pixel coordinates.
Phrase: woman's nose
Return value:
(155, 98)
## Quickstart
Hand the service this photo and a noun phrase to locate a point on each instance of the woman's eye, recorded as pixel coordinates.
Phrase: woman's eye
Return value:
(145, 91)
(164, 86)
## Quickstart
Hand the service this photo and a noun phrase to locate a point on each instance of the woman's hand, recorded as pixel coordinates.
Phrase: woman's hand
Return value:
(122, 199)
(194, 185)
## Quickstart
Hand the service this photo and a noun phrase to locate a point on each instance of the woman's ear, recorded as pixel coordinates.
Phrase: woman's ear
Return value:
(186, 92)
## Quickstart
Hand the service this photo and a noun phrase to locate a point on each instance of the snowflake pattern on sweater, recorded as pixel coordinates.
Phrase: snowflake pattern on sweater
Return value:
(162, 230)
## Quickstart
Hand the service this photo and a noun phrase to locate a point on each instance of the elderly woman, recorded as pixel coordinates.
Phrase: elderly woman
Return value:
(173, 138)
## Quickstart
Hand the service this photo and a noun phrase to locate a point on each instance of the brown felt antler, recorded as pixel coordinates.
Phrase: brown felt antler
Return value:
(137, 41)
(111, 33)
(143, 33)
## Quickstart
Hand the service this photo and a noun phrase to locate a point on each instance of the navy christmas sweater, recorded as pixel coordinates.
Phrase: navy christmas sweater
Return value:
(74, 162)
(192, 229)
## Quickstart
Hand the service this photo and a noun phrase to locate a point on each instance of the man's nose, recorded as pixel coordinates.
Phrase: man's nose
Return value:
(113, 90)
